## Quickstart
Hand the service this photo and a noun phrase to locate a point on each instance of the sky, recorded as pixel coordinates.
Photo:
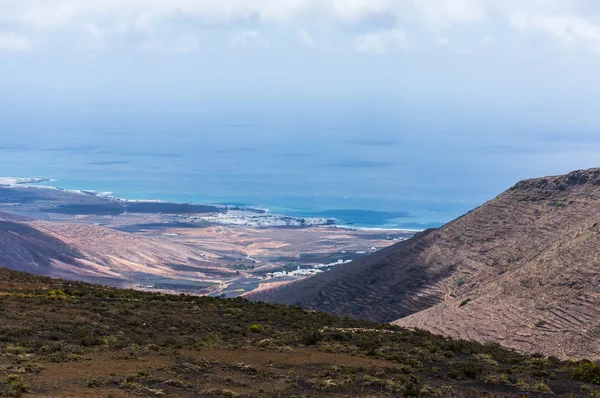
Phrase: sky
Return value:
(492, 53)
(395, 95)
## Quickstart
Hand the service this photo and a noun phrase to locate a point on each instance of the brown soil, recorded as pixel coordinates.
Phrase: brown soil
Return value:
(71, 379)
(61, 338)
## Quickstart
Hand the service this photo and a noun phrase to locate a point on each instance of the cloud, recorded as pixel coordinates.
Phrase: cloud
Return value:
(93, 30)
(52, 14)
(249, 38)
(384, 24)
(487, 40)
(11, 42)
(571, 30)
(443, 42)
(181, 44)
(448, 12)
(353, 11)
(382, 42)
(305, 39)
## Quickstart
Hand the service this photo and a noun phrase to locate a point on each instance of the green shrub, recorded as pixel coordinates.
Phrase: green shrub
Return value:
(587, 371)
(212, 341)
(312, 337)
(471, 369)
(456, 375)
(373, 381)
(94, 383)
(465, 302)
(541, 387)
(16, 349)
(256, 328)
(590, 391)
(16, 385)
(223, 393)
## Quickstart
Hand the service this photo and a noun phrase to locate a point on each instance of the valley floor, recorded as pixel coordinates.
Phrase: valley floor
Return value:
(152, 247)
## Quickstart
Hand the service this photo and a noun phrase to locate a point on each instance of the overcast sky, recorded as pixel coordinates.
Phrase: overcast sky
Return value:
(490, 52)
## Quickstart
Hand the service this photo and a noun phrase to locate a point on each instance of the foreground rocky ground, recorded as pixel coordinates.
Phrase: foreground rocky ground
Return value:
(60, 338)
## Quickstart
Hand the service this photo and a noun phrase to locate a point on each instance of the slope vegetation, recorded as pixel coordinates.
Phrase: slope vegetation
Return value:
(71, 339)
(521, 270)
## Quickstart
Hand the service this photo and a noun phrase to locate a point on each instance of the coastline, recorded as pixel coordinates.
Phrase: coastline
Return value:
(221, 214)
(193, 248)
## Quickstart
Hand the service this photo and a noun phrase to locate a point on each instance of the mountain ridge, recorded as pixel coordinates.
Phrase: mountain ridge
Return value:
(520, 270)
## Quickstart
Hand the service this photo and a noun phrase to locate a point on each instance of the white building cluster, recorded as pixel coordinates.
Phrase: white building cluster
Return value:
(338, 262)
(250, 218)
(298, 272)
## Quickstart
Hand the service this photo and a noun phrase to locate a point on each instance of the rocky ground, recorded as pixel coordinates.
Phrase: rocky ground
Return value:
(71, 339)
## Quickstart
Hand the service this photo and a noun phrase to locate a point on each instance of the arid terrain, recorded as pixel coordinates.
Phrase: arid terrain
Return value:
(522, 270)
(70, 339)
(164, 246)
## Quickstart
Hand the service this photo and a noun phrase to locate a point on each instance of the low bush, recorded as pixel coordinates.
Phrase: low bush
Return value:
(16, 386)
(587, 371)
(256, 328)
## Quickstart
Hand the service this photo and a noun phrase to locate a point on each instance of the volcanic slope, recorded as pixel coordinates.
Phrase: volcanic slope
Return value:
(522, 270)
(96, 254)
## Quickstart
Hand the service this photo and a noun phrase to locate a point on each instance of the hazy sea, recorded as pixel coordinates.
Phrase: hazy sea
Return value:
(410, 168)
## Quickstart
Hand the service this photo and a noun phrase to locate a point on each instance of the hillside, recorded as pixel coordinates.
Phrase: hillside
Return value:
(521, 270)
(71, 339)
(99, 255)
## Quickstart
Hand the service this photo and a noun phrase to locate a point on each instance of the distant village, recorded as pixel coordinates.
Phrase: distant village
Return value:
(250, 218)
(299, 272)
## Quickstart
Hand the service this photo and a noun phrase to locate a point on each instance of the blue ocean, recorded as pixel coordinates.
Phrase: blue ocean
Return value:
(366, 165)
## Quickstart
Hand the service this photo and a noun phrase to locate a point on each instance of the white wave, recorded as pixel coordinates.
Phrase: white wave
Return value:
(20, 181)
